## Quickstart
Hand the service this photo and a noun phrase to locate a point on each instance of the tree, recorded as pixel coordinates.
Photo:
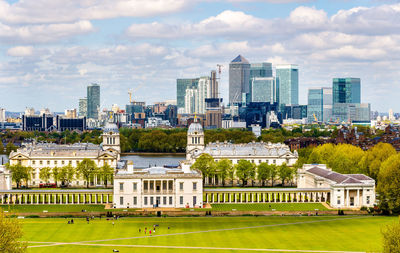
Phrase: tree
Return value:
(273, 173)
(18, 173)
(86, 169)
(11, 234)
(10, 147)
(245, 170)
(224, 167)
(391, 238)
(1, 147)
(263, 172)
(206, 164)
(388, 184)
(106, 172)
(285, 173)
(45, 174)
(66, 174)
(56, 174)
(373, 158)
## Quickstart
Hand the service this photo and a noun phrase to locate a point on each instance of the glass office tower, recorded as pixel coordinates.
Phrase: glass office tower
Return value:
(319, 104)
(263, 69)
(346, 90)
(287, 83)
(93, 101)
(263, 89)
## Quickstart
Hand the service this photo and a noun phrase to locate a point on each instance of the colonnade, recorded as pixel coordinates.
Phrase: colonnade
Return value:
(56, 197)
(264, 196)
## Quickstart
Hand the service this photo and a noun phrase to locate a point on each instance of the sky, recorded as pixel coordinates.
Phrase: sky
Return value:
(50, 50)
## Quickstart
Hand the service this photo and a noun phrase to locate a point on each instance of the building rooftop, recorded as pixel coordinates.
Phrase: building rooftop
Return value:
(340, 178)
(240, 59)
(249, 149)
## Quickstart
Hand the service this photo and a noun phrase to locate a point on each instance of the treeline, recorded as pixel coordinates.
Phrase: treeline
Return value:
(244, 171)
(86, 169)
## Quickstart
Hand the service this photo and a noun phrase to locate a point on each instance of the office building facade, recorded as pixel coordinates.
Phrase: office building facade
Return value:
(319, 105)
(287, 83)
(239, 80)
(93, 101)
(181, 86)
(82, 107)
(263, 89)
(346, 90)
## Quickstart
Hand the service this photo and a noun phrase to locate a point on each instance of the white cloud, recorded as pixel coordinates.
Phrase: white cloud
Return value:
(43, 33)
(60, 11)
(20, 51)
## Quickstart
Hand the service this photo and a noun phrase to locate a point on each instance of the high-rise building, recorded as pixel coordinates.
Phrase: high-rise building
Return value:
(213, 104)
(319, 104)
(239, 80)
(83, 107)
(263, 89)
(391, 115)
(93, 101)
(70, 114)
(2, 115)
(287, 83)
(263, 69)
(181, 86)
(346, 90)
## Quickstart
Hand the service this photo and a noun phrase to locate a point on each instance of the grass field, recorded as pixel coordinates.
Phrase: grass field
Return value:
(269, 207)
(208, 234)
(57, 208)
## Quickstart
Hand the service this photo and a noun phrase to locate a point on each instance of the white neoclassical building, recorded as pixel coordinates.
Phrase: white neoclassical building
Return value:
(40, 155)
(5, 178)
(255, 152)
(167, 187)
(346, 190)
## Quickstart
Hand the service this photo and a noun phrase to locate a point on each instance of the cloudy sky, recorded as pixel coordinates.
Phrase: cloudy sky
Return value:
(51, 49)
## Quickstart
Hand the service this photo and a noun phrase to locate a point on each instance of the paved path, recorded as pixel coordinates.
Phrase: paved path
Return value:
(92, 242)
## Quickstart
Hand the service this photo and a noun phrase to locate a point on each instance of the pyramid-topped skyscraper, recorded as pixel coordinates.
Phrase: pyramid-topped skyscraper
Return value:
(239, 75)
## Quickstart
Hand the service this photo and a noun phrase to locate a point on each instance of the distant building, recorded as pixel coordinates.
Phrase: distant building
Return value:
(346, 90)
(83, 107)
(259, 70)
(287, 83)
(319, 104)
(239, 78)
(93, 101)
(346, 190)
(213, 104)
(294, 112)
(70, 113)
(71, 124)
(5, 178)
(43, 122)
(263, 89)
(154, 122)
(2, 115)
(181, 86)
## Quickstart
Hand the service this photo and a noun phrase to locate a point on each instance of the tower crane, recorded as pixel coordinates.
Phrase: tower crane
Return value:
(130, 92)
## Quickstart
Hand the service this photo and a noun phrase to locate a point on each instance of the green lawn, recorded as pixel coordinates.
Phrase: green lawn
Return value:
(206, 234)
(52, 208)
(269, 207)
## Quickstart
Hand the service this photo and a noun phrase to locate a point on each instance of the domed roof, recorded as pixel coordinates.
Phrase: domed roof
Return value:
(110, 127)
(195, 127)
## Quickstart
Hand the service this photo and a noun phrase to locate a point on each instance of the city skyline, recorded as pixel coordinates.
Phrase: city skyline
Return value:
(49, 57)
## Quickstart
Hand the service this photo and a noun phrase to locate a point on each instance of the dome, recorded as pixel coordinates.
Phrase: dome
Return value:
(195, 127)
(110, 127)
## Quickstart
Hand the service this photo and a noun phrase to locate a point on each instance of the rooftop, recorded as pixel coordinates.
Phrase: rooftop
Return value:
(240, 59)
(340, 178)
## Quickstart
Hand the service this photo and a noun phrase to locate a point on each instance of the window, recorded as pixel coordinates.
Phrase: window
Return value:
(259, 161)
(121, 186)
(62, 162)
(164, 201)
(146, 185)
(151, 200)
(338, 201)
(170, 200)
(194, 200)
(135, 201)
(170, 185)
(368, 199)
(33, 162)
(274, 161)
(77, 182)
(48, 162)
(40, 162)
(194, 186)
(121, 200)
(55, 162)
(134, 186)
(145, 201)
(181, 186)
(181, 200)
(70, 162)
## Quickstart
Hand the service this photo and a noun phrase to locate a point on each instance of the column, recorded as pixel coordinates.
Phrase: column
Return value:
(107, 198)
(358, 198)
(347, 198)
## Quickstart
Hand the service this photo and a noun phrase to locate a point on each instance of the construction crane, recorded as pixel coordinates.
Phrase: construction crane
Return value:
(130, 92)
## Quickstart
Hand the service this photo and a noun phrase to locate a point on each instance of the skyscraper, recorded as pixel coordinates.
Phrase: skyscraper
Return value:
(287, 83)
(346, 90)
(195, 97)
(239, 79)
(93, 101)
(263, 89)
(319, 104)
(181, 86)
(263, 69)
(83, 107)
(213, 104)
